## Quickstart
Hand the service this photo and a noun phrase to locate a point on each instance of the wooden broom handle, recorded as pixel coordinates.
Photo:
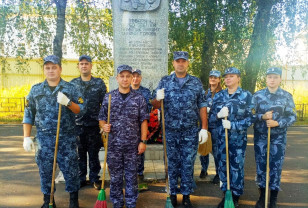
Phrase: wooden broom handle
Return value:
(267, 165)
(165, 144)
(106, 146)
(55, 158)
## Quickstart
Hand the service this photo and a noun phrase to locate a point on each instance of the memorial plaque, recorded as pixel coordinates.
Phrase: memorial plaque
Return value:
(140, 29)
(139, 5)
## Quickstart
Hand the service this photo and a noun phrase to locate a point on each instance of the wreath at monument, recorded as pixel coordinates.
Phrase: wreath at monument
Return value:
(154, 134)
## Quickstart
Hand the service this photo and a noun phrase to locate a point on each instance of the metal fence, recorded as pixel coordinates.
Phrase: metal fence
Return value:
(12, 104)
(302, 111)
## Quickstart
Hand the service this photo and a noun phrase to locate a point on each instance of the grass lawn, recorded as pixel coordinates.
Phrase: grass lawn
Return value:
(303, 122)
(11, 118)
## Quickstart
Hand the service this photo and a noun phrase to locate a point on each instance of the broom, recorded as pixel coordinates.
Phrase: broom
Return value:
(168, 201)
(267, 165)
(101, 198)
(55, 159)
(228, 196)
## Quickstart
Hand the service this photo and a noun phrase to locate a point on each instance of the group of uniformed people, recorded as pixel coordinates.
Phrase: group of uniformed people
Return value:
(190, 112)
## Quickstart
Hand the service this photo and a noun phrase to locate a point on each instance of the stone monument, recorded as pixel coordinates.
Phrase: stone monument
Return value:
(140, 29)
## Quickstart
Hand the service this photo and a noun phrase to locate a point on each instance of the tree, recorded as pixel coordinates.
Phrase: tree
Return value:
(215, 33)
(58, 40)
(208, 49)
(36, 28)
(244, 34)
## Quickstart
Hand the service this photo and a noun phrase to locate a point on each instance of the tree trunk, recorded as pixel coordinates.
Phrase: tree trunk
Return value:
(208, 43)
(57, 42)
(259, 45)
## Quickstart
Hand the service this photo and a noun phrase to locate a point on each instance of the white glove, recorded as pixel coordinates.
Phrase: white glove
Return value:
(202, 136)
(208, 109)
(224, 112)
(62, 99)
(160, 95)
(28, 144)
(226, 124)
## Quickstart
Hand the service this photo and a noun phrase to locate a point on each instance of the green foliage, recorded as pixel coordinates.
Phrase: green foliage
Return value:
(25, 33)
(34, 28)
(244, 34)
(215, 33)
(303, 122)
(92, 32)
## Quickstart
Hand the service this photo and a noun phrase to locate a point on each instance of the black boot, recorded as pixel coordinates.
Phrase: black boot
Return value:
(47, 200)
(74, 200)
(222, 203)
(186, 201)
(216, 179)
(273, 199)
(235, 200)
(173, 200)
(203, 174)
(261, 201)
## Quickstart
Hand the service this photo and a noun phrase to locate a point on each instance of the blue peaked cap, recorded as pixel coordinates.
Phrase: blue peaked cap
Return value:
(53, 59)
(215, 73)
(274, 70)
(180, 55)
(124, 68)
(232, 70)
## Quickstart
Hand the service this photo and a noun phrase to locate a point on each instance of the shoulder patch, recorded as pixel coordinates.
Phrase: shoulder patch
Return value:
(253, 111)
(80, 100)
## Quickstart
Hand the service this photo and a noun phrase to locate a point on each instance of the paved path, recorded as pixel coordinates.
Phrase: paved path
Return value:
(154, 170)
(20, 184)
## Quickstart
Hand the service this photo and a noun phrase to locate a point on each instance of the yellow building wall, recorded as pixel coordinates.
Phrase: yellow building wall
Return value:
(35, 74)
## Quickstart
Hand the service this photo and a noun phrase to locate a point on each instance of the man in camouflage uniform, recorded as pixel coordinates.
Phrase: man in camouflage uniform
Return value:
(214, 82)
(42, 111)
(234, 103)
(89, 139)
(274, 108)
(136, 85)
(185, 111)
(127, 137)
(146, 93)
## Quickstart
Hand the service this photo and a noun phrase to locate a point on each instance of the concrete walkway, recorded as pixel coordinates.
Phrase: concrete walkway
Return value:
(20, 180)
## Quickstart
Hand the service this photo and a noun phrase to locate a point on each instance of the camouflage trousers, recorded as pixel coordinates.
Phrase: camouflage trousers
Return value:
(205, 161)
(277, 153)
(89, 143)
(67, 160)
(141, 159)
(182, 149)
(236, 162)
(122, 163)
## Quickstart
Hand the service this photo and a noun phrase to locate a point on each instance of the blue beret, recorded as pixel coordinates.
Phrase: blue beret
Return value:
(124, 68)
(137, 71)
(180, 55)
(88, 58)
(274, 70)
(232, 70)
(215, 73)
(53, 59)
